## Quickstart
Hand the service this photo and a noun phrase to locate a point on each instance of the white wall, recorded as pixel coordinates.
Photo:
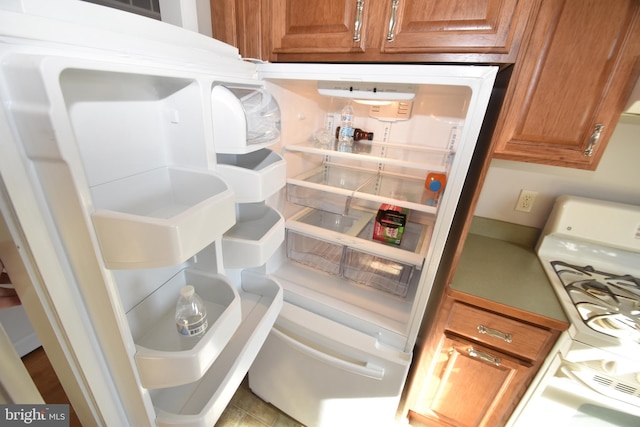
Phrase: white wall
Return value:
(194, 15)
(616, 179)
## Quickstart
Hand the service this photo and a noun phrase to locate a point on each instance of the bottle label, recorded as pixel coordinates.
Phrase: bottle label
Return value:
(346, 132)
(190, 328)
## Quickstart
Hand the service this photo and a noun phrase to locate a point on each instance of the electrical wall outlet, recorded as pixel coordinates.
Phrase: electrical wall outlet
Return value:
(525, 200)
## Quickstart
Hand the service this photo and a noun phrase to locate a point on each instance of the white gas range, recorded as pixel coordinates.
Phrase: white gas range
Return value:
(590, 251)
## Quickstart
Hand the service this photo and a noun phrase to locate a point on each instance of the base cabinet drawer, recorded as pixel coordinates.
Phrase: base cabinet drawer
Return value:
(490, 329)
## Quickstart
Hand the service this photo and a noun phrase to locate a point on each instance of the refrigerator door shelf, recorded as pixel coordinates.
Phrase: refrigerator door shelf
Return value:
(258, 232)
(201, 403)
(245, 119)
(357, 380)
(410, 156)
(161, 217)
(165, 358)
(337, 189)
(253, 176)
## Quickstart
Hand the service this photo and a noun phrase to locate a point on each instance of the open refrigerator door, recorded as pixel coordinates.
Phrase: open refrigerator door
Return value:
(113, 202)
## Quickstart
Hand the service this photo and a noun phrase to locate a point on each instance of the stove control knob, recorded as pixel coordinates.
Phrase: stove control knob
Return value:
(610, 366)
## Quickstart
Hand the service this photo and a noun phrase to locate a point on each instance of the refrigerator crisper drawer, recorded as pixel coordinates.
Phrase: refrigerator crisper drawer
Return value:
(160, 217)
(163, 357)
(343, 261)
(200, 404)
(254, 176)
(335, 368)
(344, 246)
(245, 118)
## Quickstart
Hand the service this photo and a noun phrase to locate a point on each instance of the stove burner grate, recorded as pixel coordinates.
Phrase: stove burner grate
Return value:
(607, 303)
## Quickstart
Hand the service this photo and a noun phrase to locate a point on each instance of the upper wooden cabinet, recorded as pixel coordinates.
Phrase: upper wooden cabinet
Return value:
(462, 26)
(487, 31)
(570, 83)
(334, 26)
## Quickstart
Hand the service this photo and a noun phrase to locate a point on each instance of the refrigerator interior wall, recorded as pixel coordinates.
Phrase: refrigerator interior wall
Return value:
(392, 169)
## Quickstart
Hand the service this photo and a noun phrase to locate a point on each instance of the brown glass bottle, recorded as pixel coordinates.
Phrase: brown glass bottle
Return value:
(358, 134)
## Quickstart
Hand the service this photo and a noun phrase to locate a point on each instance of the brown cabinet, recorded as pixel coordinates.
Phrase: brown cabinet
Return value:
(570, 83)
(476, 367)
(375, 30)
(446, 26)
(332, 26)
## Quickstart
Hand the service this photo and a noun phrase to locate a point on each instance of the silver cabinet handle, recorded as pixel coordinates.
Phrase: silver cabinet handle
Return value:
(593, 141)
(495, 333)
(483, 356)
(357, 24)
(392, 20)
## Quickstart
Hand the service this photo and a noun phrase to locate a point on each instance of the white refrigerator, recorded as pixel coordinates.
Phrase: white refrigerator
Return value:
(137, 157)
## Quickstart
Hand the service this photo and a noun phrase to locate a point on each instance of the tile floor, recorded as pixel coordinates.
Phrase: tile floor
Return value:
(248, 410)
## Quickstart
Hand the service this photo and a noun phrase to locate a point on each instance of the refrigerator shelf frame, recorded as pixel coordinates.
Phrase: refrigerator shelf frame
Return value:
(353, 237)
(376, 180)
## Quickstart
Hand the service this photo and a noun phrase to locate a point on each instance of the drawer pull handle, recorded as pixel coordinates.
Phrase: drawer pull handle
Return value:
(392, 20)
(495, 333)
(483, 356)
(357, 25)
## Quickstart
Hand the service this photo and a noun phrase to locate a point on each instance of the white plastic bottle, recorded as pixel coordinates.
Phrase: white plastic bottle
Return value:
(345, 137)
(191, 314)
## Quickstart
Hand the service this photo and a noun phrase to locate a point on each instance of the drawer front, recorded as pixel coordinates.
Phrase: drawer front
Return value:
(491, 329)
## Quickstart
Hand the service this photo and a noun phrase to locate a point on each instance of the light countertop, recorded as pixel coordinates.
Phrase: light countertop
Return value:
(499, 266)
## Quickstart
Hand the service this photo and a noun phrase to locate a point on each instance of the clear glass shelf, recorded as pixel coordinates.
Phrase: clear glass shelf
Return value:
(336, 189)
(421, 158)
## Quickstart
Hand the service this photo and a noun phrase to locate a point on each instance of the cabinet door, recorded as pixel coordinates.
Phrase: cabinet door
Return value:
(570, 83)
(471, 386)
(460, 26)
(332, 26)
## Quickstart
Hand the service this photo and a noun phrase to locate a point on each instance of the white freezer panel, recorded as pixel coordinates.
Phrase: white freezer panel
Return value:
(323, 373)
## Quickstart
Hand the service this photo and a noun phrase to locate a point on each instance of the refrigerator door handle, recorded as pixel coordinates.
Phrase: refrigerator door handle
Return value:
(365, 369)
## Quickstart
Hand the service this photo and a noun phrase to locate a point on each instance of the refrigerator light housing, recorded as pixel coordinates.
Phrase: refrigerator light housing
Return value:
(368, 90)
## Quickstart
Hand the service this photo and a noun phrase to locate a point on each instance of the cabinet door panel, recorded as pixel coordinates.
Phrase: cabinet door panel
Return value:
(454, 26)
(574, 76)
(317, 26)
(471, 385)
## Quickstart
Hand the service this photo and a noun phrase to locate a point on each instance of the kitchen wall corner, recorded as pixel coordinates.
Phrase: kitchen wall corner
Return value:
(617, 178)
